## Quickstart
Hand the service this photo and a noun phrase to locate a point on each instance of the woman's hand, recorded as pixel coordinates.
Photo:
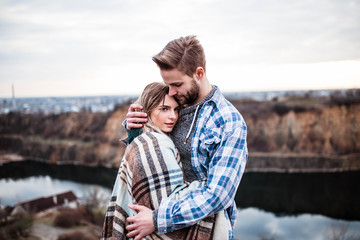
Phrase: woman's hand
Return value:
(142, 223)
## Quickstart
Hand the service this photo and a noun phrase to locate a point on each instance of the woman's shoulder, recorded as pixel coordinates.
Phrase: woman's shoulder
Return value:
(148, 140)
(152, 137)
(154, 140)
(160, 137)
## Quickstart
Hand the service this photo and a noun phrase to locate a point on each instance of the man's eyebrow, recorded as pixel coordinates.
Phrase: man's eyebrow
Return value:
(175, 83)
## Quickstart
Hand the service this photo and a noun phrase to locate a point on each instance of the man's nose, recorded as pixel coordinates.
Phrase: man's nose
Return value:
(172, 92)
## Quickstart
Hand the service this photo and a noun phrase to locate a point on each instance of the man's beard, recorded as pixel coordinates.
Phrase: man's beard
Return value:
(192, 95)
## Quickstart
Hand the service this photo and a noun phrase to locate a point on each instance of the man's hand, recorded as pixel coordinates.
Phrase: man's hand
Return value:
(142, 222)
(135, 118)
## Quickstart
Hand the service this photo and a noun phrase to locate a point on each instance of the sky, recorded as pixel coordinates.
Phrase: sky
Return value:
(87, 48)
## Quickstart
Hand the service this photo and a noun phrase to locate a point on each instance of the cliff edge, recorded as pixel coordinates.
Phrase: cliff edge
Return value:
(292, 132)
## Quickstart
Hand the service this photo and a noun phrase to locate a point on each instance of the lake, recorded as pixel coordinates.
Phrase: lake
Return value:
(271, 205)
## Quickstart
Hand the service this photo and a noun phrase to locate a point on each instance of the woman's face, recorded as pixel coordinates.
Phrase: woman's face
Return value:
(166, 114)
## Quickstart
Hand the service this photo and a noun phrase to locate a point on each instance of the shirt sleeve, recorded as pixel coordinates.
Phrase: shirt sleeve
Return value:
(132, 133)
(154, 216)
(225, 170)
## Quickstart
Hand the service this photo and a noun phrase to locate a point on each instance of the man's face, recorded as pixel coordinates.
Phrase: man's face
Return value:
(184, 88)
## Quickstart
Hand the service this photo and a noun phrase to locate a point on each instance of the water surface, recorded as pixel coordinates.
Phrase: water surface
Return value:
(271, 205)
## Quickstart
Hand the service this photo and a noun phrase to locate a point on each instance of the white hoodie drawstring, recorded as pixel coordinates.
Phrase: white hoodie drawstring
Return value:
(192, 124)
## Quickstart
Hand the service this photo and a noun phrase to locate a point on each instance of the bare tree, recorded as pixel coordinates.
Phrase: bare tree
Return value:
(95, 204)
(3, 216)
(339, 232)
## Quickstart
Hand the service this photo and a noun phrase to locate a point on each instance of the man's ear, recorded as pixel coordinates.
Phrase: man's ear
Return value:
(199, 73)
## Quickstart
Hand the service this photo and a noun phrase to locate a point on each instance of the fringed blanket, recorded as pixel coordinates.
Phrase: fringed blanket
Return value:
(150, 170)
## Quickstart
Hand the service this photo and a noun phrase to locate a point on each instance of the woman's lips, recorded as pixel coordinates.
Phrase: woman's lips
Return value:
(170, 124)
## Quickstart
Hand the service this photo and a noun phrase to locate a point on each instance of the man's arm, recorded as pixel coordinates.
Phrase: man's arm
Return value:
(133, 123)
(224, 174)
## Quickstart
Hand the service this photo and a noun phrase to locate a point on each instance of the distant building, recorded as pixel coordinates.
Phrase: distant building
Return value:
(18, 211)
(66, 199)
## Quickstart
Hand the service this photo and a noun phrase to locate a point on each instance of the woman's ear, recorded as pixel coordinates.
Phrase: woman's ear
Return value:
(199, 73)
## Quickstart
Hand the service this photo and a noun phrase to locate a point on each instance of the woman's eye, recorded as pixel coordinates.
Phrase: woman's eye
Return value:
(164, 109)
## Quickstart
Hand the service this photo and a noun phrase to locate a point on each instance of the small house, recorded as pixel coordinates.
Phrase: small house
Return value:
(66, 199)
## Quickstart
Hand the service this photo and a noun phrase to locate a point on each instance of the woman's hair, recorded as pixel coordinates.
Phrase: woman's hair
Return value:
(150, 98)
(185, 54)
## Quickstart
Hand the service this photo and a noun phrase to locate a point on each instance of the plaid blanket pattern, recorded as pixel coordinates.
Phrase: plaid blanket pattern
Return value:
(150, 171)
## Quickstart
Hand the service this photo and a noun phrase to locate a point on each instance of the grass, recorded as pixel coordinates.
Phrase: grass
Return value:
(68, 142)
(52, 141)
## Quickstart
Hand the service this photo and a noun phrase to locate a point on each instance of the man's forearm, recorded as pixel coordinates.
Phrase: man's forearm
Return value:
(225, 172)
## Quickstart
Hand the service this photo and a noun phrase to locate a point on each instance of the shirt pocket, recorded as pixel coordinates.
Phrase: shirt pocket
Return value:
(209, 142)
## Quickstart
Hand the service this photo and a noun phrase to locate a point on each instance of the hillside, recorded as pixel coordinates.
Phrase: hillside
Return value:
(326, 131)
(80, 138)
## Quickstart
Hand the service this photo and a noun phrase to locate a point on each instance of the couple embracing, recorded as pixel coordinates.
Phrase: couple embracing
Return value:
(185, 157)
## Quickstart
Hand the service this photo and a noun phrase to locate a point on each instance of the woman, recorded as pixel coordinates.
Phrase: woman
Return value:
(151, 170)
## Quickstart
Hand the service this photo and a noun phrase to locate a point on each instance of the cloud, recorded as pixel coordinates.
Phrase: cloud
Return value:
(76, 41)
(291, 31)
(252, 224)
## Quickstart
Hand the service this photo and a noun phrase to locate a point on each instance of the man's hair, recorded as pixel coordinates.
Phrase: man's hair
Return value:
(185, 54)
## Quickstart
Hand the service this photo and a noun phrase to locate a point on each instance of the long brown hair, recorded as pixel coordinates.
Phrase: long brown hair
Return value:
(150, 98)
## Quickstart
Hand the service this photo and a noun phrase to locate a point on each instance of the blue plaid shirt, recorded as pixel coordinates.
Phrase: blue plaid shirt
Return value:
(218, 154)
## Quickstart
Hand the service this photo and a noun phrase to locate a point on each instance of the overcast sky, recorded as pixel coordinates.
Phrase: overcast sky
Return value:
(75, 48)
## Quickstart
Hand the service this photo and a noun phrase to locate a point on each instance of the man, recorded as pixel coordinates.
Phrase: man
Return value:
(210, 136)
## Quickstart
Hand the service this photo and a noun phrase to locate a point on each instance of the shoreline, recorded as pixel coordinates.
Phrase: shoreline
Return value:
(301, 163)
(257, 162)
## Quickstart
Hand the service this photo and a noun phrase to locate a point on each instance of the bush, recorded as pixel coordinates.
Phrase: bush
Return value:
(98, 216)
(77, 235)
(95, 204)
(351, 96)
(68, 218)
(281, 109)
(16, 229)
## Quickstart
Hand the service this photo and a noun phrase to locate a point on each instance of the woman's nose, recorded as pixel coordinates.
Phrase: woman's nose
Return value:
(173, 114)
